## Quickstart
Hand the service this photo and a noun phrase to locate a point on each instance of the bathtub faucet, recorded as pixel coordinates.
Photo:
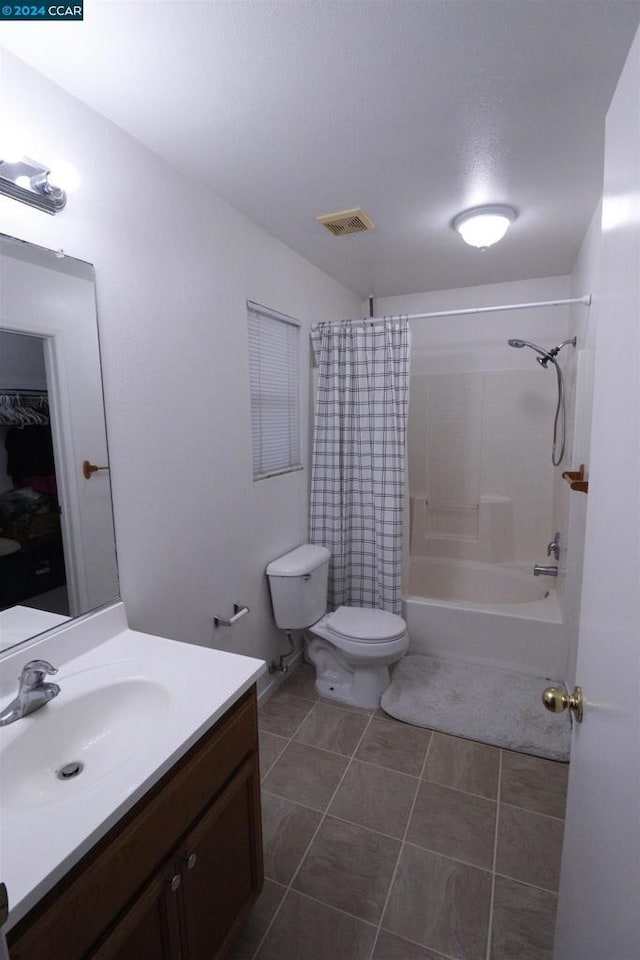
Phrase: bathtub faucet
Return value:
(544, 570)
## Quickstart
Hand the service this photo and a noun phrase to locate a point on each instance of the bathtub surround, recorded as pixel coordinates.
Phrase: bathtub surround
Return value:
(481, 421)
(358, 461)
(493, 706)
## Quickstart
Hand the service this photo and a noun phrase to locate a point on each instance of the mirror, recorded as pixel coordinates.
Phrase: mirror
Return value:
(57, 542)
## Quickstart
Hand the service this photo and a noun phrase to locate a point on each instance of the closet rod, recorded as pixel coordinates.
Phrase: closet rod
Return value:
(585, 301)
(16, 391)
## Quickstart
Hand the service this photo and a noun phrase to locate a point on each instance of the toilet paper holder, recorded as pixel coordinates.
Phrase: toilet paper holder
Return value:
(238, 613)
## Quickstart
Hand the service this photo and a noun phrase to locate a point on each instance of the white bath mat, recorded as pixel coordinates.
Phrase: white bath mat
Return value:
(481, 703)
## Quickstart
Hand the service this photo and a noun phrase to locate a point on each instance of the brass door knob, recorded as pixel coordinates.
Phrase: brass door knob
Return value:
(557, 700)
(88, 469)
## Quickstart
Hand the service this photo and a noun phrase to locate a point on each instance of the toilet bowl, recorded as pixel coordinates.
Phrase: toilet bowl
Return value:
(352, 650)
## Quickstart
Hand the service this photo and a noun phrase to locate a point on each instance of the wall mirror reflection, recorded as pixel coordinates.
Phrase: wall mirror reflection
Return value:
(57, 543)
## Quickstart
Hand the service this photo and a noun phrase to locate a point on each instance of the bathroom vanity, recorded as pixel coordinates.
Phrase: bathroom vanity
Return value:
(156, 854)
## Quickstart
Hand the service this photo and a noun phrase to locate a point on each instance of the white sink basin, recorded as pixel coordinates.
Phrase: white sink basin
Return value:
(98, 720)
(130, 706)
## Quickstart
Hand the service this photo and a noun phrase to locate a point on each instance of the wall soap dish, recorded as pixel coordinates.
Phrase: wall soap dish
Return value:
(576, 480)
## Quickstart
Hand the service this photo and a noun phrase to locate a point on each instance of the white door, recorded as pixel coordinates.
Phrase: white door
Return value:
(599, 902)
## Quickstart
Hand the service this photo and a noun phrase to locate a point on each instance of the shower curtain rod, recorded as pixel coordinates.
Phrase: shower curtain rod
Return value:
(585, 301)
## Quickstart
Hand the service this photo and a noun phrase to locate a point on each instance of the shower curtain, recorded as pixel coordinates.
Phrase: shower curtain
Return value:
(358, 464)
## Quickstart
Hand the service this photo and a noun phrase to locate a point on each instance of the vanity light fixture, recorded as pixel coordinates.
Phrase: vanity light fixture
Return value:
(28, 181)
(483, 226)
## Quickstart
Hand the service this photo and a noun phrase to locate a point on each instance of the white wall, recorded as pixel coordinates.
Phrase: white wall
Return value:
(481, 412)
(174, 268)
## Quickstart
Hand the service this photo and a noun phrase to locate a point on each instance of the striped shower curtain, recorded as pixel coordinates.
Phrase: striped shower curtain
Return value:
(358, 465)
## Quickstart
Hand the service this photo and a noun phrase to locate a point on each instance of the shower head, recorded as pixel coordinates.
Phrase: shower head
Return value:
(544, 357)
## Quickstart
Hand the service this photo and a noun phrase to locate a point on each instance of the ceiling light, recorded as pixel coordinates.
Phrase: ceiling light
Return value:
(483, 226)
(28, 181)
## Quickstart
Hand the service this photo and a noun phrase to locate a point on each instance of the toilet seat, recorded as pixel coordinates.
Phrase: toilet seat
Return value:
(365, 625)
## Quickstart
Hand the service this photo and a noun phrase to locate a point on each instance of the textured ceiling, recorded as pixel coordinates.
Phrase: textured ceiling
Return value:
(413, 110)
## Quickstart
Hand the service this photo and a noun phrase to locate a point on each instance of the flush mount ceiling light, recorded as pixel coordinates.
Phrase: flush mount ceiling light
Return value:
(483, 226)
(29, 181)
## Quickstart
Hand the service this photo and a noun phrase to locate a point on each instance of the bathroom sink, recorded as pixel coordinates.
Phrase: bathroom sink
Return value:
(130, 706)
(101, 718)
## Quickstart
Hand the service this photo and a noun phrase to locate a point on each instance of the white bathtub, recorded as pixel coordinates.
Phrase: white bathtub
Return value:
(494, 614)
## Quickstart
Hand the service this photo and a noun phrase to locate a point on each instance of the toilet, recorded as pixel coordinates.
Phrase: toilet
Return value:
(352, 648)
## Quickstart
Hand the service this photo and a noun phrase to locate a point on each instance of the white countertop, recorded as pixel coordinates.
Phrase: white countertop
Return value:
(21, 623)
(43, 833)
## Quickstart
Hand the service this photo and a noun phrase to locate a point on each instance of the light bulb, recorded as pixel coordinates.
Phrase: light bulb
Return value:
(10, 152)
(65, 176)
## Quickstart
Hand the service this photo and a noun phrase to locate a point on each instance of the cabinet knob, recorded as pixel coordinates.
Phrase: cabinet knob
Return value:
(191, 861)
(175, 882)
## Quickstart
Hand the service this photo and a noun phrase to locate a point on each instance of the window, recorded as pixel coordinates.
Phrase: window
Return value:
(275, 400)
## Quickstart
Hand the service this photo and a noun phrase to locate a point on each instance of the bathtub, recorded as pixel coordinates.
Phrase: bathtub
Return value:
(496, 614)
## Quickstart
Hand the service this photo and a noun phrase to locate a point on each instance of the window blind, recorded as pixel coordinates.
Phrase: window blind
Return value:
(275, 397)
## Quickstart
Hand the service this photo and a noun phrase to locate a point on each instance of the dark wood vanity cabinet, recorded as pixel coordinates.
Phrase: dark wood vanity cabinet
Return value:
(176, 877)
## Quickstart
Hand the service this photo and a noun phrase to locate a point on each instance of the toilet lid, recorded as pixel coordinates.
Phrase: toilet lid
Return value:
(364, 623)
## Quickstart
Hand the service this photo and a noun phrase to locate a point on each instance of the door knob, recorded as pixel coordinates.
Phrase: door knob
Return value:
(557, 700)
(88, 469)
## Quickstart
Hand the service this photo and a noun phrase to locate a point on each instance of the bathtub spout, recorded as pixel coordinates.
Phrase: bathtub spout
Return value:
(544, 570)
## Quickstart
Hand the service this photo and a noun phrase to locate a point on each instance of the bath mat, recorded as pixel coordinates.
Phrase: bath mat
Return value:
(481, 703)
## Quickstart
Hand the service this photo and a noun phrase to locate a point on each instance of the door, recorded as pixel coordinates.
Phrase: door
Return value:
(599, 901)
(222, 865)
(149, 928)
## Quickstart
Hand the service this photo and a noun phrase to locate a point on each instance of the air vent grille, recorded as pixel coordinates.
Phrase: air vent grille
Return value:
(346, 221)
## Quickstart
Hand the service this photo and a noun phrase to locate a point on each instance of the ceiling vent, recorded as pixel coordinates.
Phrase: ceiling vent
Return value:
(346, 221)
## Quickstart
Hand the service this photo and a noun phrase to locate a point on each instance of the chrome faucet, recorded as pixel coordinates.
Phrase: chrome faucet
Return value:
(553, 547)
(545, 570)
(33, 692)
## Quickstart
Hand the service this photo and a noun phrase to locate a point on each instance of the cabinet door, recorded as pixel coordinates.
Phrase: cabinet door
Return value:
(149, 928)
(222, 866)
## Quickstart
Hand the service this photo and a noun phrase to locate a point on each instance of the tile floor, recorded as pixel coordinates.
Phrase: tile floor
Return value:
(384, 841)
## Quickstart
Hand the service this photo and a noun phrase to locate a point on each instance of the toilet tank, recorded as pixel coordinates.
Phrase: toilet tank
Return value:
(298, 584)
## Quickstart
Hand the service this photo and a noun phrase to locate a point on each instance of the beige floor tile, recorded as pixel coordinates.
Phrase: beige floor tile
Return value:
(398, 747)
(455, 824)
(301, 682)
(529, 847)
(365, 711)
(307, 930)
(381, 714)
(523, 922)
(333, 729)
(282, 714)
(534, 783)
(374, 797)
(390, 947)
(350, 868)
(257, 922)
(306, 775)
(270, 749)
(287, 829)
(463, 764)
(439, 903)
